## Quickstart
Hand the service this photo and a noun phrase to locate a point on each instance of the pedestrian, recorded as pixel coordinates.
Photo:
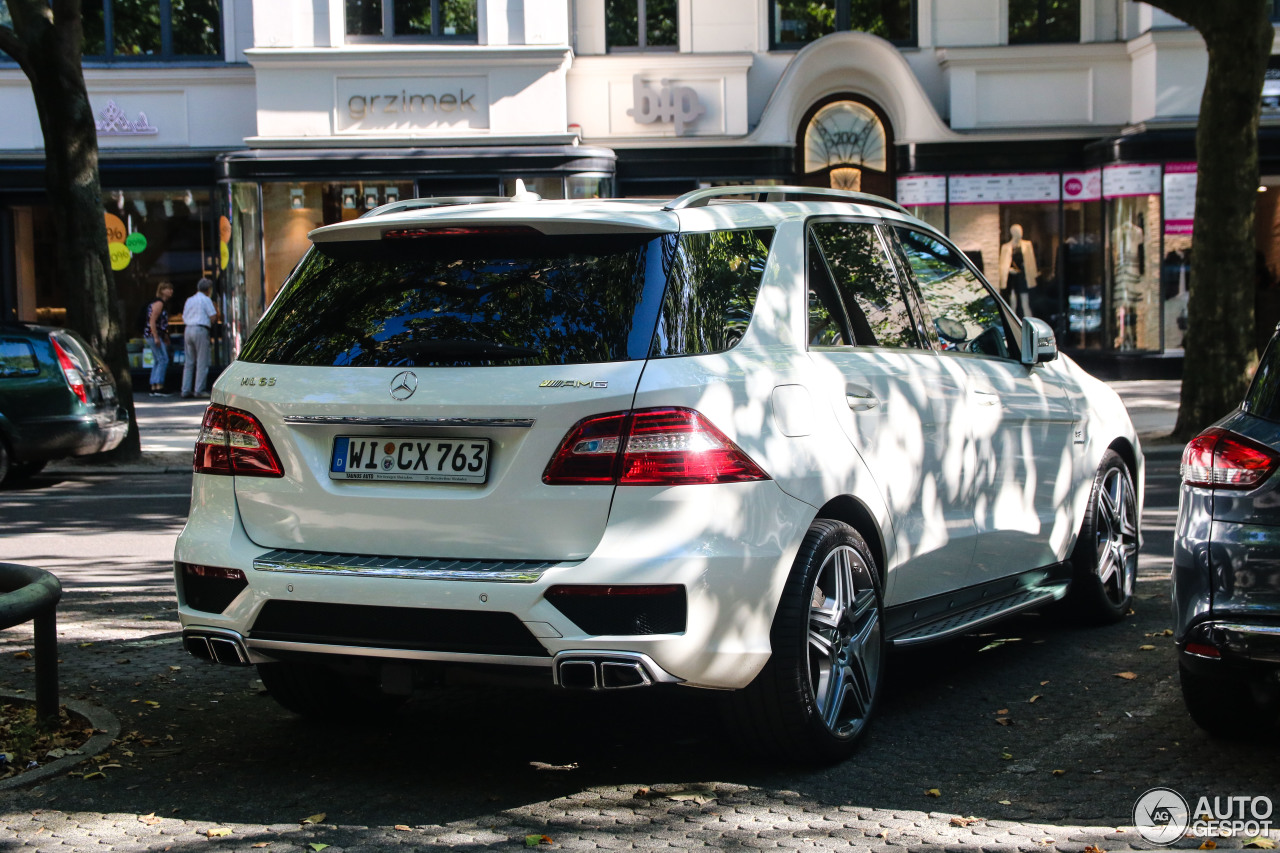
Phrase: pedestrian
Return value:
(199, 315)
(156, 332)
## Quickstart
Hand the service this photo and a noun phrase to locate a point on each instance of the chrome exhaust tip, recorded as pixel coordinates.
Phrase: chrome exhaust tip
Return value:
(225, 647)
(607, 671)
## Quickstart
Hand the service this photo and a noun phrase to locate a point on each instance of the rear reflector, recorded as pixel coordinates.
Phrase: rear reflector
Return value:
(1220, 459)
(1204, 651)
(234, 442)
(649, 447)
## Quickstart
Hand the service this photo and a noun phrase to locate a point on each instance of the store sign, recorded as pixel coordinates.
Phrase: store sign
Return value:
(669, 103)
(922, 190)
(1179, 197)
(407, 104)
(112, 121)
(1130, 179)
(1082, 186)
(1009, 188)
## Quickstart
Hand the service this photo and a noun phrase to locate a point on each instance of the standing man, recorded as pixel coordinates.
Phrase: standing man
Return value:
(199, 315)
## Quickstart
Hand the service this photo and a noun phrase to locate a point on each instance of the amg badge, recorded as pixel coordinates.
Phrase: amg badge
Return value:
(573, 383)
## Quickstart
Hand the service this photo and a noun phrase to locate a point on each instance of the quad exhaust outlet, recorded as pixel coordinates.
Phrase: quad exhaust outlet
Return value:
(608, 671)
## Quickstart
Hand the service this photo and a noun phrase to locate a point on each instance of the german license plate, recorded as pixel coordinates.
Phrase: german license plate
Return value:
(422, 460)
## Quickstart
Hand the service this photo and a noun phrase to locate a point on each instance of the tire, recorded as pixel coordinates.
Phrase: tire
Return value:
(1105, 558)
(6, 461)
(1226, 707)
(815, 698)
(320, 693)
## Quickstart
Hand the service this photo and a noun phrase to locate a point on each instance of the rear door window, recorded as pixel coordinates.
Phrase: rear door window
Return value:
(1263, 398)
(864, 276)
(17, 358)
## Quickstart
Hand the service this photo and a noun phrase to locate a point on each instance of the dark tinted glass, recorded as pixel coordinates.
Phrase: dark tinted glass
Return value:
(94, 43)
(622, 23)
(135, 27)
(1039, 21)
(460, 301)
(413, 17)
(457, 18)
(827, 325)
(660, 23)
(802, 21)
(197, 28)
(1263, 398)
(889, 19)
(965, 314)
(865, 279)
(712, 291)
(364, 17)
(17, 358)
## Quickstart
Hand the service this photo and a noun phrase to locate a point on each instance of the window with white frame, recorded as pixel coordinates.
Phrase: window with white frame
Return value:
(795, 23)
(422, 20)
(641, 25)
(1044, 21)
(143, 30)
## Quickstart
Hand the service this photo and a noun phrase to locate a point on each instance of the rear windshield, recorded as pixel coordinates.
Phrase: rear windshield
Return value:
(509, 300)
(1263, 398)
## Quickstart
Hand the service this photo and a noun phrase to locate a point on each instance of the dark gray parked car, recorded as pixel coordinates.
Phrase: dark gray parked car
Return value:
(1226, 563)
(57, 399)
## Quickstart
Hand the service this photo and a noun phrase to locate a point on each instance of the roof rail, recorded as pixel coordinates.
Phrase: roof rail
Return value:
(437, 201)
(700, 198)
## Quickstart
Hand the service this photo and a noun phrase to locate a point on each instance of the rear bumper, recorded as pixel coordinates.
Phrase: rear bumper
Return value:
(729, 547)
(70, 435)
(1234, 645)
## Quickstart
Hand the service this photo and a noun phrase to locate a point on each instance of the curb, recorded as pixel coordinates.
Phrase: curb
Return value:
(100, 718)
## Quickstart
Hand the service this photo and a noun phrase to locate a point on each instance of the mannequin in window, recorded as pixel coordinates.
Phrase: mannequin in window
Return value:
(1018, 271)
(1127, 254)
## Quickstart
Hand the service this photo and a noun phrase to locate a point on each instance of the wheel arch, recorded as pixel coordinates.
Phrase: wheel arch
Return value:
(854, 513)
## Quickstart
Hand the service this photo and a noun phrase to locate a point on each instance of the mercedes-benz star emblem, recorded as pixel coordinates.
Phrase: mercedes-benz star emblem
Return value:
(403, 386)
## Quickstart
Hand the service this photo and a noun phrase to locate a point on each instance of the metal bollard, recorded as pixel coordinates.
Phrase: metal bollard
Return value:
(31, 594)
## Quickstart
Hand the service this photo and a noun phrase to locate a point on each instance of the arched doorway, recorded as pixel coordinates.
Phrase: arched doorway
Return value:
(846, 142)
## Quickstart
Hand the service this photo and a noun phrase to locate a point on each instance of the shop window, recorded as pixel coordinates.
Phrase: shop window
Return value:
(795, 23)
(434, 20)
(140, 30)
(641, 25)
(1044, 21)
(1134, 223)
(1083, 273)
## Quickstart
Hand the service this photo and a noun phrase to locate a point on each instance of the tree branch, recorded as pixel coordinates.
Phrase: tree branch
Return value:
(17, 50)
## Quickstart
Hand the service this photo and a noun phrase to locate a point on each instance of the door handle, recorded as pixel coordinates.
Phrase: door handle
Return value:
(986, 397)
(860, 398)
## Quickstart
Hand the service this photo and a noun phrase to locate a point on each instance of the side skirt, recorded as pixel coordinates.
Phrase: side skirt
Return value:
(938, 617)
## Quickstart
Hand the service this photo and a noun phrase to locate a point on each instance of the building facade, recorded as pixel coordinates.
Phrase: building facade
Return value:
(1053, 140)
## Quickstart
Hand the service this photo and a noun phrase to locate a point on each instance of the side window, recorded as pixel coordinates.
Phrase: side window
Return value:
(865, 279)
(711, 291)
(965, 314)
(827, 323)
(641, 25)
(17, 358)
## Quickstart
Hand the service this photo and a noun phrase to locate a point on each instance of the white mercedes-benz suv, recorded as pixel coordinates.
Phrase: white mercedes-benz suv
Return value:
(742, 440)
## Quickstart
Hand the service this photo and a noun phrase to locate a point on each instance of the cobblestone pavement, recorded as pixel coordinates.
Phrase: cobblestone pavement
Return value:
(207, 761)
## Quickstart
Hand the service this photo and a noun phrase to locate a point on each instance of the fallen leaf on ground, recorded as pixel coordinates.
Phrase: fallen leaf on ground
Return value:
(535, 840)
(22, 655)
(643, 794)
(1260, 842)
(1094, 849)
(1209, 845)
(315, 818)
(692, 797)
(317, 846)
(1004, 721)
(260, 844)
(1043, 683)
(1005, 802)
(1059, 773)
(217, 832)
(1003, 711)
(149, 819)
(933, 792)
(97, 774)
(1006, 756)
(402, 827)
(1146, 648)
(542, 765)
(965, 821)
(1033, 699)
(1127, 676)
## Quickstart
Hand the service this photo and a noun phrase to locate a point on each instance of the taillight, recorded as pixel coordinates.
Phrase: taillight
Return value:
(70, 371)
(649, 447)
(1219, 459)
(234, 442)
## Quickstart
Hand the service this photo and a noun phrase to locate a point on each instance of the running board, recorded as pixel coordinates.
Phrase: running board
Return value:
(989, 611)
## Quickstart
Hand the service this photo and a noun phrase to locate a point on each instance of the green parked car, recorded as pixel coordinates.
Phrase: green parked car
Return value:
(57, 399)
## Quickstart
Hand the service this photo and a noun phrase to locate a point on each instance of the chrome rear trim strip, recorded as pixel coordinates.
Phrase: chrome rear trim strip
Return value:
(311, 563)
(268, 646)
(356, 420)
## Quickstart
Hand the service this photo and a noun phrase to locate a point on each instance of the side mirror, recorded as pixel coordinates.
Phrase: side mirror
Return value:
(1038, 342)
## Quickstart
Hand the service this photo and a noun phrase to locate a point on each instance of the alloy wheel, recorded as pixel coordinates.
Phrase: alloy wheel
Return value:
(1117, 535)
(844, 642)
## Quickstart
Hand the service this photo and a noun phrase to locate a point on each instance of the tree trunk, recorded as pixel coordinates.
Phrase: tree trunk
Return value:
(1219, 344)
(46, 44)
